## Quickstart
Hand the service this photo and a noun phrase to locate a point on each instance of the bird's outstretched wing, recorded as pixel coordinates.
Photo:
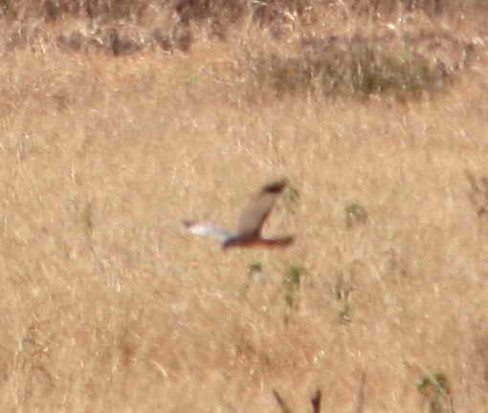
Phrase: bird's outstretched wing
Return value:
(277, 242)
(258, 208)
(207, 230)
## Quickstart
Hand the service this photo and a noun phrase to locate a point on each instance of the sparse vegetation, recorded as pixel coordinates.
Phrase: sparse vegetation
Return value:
(363, 66)
(342, 291)
(291, 288)
(118, 119)
(478, 194)
(356, 215)
(436, 390)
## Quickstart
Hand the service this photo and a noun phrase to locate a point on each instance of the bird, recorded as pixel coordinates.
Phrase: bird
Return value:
(250, 223)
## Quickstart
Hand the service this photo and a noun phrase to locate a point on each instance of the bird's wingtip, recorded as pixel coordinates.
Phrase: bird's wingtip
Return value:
(276, 186)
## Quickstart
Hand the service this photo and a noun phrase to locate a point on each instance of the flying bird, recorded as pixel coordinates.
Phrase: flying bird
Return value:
(250, 223)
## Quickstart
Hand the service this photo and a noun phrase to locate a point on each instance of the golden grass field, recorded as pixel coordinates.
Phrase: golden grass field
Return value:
(108, 305)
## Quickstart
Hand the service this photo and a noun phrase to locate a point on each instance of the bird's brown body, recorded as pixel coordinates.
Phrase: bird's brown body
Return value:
(250, 223)
(258, 242)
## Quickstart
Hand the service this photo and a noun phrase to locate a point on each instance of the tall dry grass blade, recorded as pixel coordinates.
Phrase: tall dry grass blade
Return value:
(316, 401)
(281, 402)
(361, 395)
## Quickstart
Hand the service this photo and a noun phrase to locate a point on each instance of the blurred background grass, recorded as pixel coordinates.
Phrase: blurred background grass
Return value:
(375, 111)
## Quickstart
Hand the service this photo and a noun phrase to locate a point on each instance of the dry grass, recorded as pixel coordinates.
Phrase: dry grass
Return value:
(107, 305)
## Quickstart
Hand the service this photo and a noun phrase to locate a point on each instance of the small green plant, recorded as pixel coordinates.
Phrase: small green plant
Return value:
(478, 193)
(291, 284)
(436, 390)
(345, 313)
(342, 292)
(291, 287)
(356, 215)
(255, 272)
(292, 197)
(254, 276)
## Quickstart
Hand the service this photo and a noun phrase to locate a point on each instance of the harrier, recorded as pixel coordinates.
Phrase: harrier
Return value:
(250, 222)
